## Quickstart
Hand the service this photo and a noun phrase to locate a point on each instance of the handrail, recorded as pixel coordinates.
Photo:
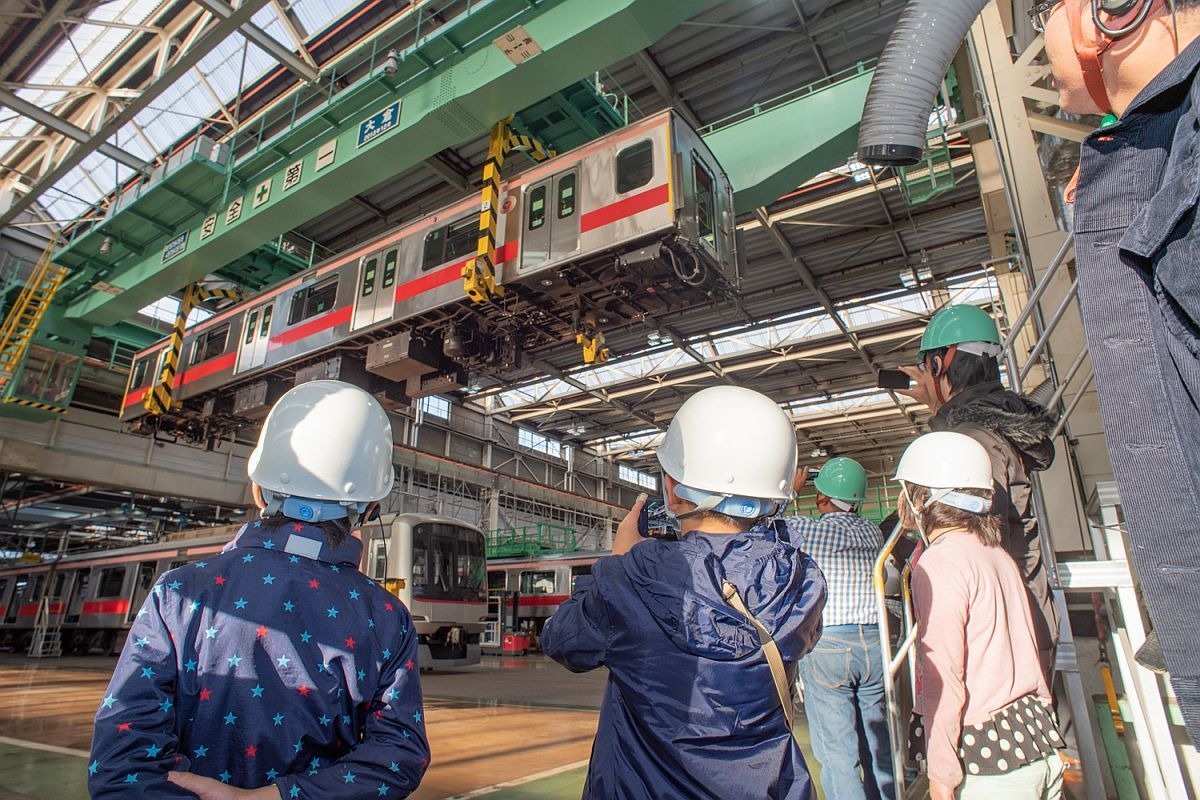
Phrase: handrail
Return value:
(1031, 305)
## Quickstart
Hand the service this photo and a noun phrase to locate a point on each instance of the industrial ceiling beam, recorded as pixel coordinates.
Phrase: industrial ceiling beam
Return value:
(602, 396)
(810, 281)
(209, 39)
(662, 84)
(52, 16)
(300, 68)
(59, 125)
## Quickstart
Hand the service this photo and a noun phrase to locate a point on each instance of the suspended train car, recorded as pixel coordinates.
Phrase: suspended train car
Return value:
(436, 565)
(633, 225)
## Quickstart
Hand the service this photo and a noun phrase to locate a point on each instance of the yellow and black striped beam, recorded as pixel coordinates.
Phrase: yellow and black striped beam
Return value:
(160, 399)
(17, 401)
(479, 275)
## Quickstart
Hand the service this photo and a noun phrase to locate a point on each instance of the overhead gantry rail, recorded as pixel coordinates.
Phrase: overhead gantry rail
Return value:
(383, 124)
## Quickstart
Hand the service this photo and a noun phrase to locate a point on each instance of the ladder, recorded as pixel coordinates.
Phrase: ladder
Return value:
(47, 633)
(26, 313)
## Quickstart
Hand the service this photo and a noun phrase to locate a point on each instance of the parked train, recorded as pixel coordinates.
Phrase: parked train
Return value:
(534, 587)
(434, 564)
(634, 224)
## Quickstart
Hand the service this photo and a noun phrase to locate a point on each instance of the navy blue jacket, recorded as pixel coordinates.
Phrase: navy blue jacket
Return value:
(690, 710)
(276, 661)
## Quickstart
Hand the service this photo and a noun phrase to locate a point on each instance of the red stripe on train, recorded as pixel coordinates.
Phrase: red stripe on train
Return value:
(210, 367)
(106, 607)
(643, 201)
(545, 600)
(203, 370)
(324, 322)
(449, 274)
(31, 609)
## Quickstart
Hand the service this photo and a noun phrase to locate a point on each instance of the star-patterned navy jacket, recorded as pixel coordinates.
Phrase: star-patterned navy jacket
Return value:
(276, 661)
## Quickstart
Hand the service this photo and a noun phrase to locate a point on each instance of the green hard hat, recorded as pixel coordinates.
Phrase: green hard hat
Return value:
(958, 324)
(842, 479)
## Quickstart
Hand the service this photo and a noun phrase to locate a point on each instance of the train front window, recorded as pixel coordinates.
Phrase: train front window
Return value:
(635, 166)
(448, 562)
(110, 582)
(705, 204)
(313, 300)
(537, 582)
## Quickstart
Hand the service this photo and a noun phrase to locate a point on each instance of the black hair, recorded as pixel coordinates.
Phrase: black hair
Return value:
(336, 530)
(968, 369)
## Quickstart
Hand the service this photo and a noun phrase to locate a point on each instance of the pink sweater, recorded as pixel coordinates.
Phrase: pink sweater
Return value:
(976, 650)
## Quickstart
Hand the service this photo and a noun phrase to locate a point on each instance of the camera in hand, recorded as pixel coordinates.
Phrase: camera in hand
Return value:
(893, 379)
(655, 522)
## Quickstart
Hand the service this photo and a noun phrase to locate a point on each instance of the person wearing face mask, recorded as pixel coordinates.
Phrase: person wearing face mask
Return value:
(1134, 220)
(983, 722)
(701, 635)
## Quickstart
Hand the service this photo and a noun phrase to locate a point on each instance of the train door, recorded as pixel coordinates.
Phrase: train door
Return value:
(376, 298)
(551, 229)
(78, 595)
(20, 588)
(256, 333)
(143, 582)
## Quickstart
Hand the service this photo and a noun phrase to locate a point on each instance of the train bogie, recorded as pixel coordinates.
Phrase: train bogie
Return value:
(639, 221)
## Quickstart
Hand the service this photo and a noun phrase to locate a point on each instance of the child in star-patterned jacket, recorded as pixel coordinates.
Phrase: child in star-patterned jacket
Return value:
(276, 666)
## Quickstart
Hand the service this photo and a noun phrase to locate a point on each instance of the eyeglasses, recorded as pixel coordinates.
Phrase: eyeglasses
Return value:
(1040, 14)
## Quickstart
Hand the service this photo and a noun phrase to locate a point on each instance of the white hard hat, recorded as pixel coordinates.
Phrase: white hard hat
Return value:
(325, 440)
(731, 441)
(946, 460)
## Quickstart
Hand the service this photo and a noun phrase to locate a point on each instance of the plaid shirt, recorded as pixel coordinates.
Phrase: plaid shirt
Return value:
(845, 546)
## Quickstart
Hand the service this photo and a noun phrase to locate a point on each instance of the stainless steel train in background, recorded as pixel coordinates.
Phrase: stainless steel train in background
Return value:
(436, 565)
(630, 226)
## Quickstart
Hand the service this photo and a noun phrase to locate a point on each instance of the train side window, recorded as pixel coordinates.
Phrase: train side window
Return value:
(539, 582)
(210, 344)
(368, 277)
(450, 243)
(110, 582)
(537, 208)
(251, 327)
(177, 563)
(59, 580)
(313, 300)
(139, 372)
(566, 196)
(35, 593)
(265, 328)
(635, 166)
(389, 268)
(3, 588)
(706, 211)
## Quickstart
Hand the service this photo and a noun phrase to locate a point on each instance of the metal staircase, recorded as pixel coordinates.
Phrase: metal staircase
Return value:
(47, 631)
(26, 313)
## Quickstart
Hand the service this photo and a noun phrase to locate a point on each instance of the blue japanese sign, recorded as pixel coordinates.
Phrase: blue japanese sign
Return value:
(377, 125)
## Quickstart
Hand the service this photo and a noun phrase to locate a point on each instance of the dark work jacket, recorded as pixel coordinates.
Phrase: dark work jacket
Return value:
(690, 711)
(273, 662)
(1015, 431)
(1137, 252)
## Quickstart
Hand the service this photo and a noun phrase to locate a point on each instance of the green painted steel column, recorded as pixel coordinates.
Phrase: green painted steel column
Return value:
(448, 107)
(769, 153)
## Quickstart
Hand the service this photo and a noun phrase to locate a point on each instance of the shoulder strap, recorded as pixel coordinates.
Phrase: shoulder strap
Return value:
(770, 649)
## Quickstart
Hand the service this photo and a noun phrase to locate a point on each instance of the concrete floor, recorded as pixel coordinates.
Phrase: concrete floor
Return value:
(509, 729)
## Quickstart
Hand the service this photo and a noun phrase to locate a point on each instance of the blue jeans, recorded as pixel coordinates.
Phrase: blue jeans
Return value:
(847, 713)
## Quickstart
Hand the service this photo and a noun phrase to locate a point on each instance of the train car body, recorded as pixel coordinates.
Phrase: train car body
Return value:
(536, 587)
(94, 597)
(440, 577)
(634, 224)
